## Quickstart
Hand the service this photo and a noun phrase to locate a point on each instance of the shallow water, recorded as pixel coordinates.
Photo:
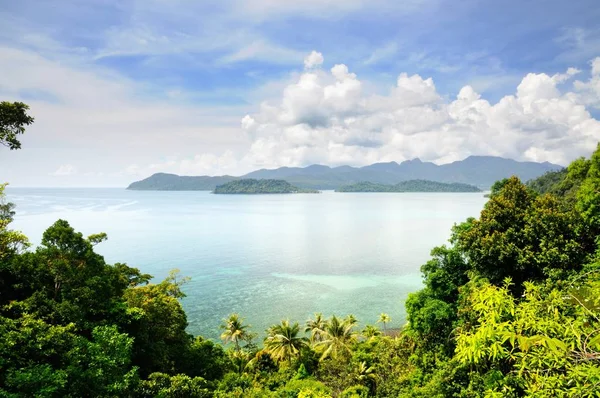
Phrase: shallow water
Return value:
(268, 257)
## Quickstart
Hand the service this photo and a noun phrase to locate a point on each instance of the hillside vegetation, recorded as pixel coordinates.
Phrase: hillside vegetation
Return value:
(409, 186)
(510, 308)
(251, 186)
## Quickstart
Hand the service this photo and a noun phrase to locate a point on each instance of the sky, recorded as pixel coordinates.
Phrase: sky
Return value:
(122, 89)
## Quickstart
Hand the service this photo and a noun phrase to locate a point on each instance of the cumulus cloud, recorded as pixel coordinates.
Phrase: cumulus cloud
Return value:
(313, 60)
(589, 91)
(326, 117)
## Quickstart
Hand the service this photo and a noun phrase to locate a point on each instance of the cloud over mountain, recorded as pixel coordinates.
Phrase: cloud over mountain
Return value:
(328, 117)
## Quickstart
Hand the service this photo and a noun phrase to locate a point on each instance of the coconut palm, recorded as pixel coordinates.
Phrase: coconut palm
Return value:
(370, 331)
(364, 375)
(337, 338)
(283, 342)
(351, 320)
(316, 327)
(234, 330)
(385, 319)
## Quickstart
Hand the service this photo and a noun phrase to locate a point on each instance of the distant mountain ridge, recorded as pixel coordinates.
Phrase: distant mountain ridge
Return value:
(481, 171)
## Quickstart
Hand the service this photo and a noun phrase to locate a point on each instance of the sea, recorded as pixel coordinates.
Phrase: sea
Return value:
(266, 257)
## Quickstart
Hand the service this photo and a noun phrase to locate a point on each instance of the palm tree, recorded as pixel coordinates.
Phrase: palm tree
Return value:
(351, 320)
(364, 375)
(370, 331)
(283, 342)
(385, 319)
(316, 327)
(234, 330)
(337, 339)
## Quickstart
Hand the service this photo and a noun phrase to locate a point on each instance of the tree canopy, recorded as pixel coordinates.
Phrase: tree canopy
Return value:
(510, 307)
(13, 120)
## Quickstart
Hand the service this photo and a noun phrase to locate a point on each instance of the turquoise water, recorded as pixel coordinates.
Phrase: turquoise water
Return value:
(267, 257)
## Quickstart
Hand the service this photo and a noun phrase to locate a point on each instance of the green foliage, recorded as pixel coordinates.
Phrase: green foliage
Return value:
(72, 325)
(510, 308)
(498, 185)
(409, 186)
(549, 182)
(563, 183)
(234, 382)
(522, 237)
(370, 332)
(162, 385)
(7, 211)
(338, 338)
(384, 319)
(306, 388)
(251, 186)
(205, 359)
(432, 311)
(588, 196)
(283, 341)
(550, 340)
(13, 120)
(316, 327)
(445, 273)
(45, 360)
(302, 373)
(11, 242)
(432, 318)
(355, 392)
(234, 330)
(158, 325)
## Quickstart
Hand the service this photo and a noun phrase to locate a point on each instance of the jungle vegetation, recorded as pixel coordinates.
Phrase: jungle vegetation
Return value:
(510, 308)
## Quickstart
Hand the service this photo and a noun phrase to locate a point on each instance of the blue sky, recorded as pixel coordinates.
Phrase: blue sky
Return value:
(124, 88)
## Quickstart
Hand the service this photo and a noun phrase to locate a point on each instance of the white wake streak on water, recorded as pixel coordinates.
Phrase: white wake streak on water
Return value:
(353, 282)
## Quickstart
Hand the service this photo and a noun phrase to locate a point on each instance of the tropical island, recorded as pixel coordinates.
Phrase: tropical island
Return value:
(251, 186)
(510, 307)
(481, 171)
(409, 186)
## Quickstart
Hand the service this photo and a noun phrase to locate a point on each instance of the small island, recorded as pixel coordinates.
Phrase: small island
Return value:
(409, 186)
(254, 187)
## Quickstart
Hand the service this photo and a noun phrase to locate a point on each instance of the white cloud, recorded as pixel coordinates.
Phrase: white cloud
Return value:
(589, 91)
(65, 170)
(313, 60)
(596, 67)
(327, 118)
(101, 121)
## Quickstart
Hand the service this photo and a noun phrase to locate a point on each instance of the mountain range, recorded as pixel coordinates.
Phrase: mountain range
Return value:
(481, 171)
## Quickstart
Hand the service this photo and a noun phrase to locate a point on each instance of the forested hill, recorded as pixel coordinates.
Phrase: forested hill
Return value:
(481, 171)
(409, 186)
(251, 186)
(510, 307)
(173, 182)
